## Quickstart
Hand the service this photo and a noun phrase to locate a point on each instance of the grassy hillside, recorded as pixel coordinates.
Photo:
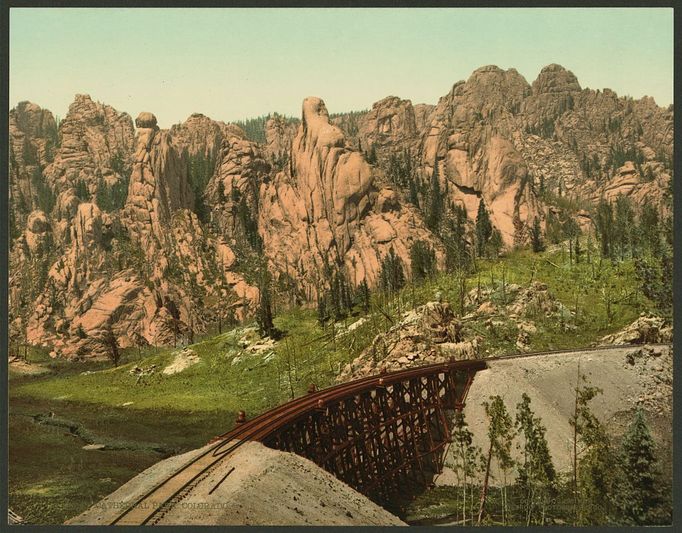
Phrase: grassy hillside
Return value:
(53, 415)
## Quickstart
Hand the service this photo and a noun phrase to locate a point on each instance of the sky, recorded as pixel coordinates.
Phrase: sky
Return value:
(231, 64)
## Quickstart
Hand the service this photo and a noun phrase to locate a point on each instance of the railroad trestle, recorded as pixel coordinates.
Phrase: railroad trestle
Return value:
(387, 440)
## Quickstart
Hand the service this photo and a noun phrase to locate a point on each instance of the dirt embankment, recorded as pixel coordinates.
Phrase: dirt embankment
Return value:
(263, 487)
(641, 375)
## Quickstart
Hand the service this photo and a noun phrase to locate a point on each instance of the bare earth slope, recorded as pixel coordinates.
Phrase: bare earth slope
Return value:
(550, 382)
(266, 487)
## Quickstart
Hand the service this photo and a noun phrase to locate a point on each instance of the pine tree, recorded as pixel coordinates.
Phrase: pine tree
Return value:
(109, 340)
(322, 313)
(264, 319)
(372, 155)
(249, 224)
(111, 198)
(484, 228)
(623, 226)
(654, 265)
(520, 236)
(536, 237)
(334, 301)
(496, 243)
(339, 301)
(500, 434)
(578, 251)
(637, 496)
(422, 261)
(364, 295)
(174, 313)
(392, 277)
(467, 461)
(414, 194)
(199, 173)
(82, 191)
(592, 458)
(649, 224)
(570, 229)
(604, 227)
(456, 246)
(537, 476)
(436, 204)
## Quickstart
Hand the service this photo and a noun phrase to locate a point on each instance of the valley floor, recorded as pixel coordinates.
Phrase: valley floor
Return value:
(79, 431)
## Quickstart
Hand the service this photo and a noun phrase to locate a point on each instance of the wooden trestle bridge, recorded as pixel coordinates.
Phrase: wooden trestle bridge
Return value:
(386, 435)
(383, 435)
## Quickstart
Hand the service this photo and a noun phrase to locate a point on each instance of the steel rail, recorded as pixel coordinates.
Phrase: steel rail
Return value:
(522, 355)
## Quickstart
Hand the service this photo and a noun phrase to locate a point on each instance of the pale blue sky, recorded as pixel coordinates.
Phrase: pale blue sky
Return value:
(236, 63)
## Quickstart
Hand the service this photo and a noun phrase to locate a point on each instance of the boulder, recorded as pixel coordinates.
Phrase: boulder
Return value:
(145, 120)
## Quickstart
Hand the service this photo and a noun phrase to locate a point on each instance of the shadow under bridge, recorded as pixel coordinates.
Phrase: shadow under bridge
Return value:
(385, 436)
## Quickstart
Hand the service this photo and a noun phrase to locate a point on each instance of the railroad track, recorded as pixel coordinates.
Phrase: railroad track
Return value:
(522, 355)
(155, 503)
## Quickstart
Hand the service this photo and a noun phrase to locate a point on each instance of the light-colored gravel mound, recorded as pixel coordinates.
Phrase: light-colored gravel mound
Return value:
(183, 360)
(266, 487)
(629, 377)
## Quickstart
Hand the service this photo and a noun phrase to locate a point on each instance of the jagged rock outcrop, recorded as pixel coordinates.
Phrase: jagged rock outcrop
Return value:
(390, 126)
(519, 146)
(646, 329)
(32, 142)
(279, 135)
(95, 143)
(240, 170)
(471, 135)
(188, 263)
(158, 185)
(585, 144)
(152, 234)
(145, 272)
(199, 135)
(429, 334)
(36, 233)
(422, 115)
(335, 182)
(326, 210)
(553, 92)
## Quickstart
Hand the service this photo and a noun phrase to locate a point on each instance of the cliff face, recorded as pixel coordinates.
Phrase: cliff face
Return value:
(32, 143)
(135, 263)
(390, 126)
(122, 229)
(95, 143)
(581, 140)
(518, 146)
(328, 209)
(279, 135)
(158, 185)
(471, 134)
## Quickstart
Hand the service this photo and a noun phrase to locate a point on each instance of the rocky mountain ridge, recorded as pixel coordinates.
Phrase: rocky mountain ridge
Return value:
(124, 233)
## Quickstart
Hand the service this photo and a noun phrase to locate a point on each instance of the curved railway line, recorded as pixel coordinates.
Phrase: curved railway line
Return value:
(152, 505)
